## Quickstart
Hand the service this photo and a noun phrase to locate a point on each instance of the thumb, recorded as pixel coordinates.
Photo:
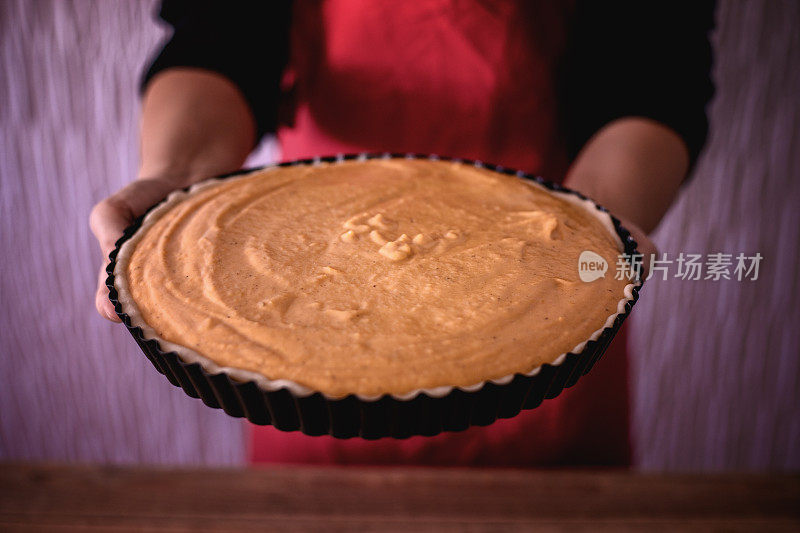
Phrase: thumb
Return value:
(644, 245)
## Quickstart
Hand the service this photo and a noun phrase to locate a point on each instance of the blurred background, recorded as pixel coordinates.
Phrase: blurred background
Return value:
(716, 364)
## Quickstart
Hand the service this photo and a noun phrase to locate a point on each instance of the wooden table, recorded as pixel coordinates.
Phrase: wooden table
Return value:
(97, 498)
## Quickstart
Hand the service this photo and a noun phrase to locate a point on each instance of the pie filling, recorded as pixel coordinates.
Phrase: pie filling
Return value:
(373, 277)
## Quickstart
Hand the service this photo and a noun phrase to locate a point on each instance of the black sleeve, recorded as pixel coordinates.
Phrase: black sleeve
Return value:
(643, 59)
(245, 41)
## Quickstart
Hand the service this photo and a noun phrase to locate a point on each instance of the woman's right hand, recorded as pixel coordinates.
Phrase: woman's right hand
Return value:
(108, 221)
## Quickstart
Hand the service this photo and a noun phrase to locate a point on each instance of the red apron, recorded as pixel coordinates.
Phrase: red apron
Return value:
(464, 79)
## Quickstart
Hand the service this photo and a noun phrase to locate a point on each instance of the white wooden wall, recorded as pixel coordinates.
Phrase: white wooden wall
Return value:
(716, 364)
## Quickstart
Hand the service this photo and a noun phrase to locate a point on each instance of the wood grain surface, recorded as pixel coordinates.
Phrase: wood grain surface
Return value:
(330, 499)
(716, 365)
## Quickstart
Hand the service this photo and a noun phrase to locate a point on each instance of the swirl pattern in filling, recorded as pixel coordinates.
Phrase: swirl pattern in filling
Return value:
(373, 277)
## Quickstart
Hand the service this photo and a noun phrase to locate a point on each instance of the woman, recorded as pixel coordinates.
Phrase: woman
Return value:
(607, 99)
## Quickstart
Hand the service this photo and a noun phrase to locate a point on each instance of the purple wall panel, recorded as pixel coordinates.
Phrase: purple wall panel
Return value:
(73, 386)
(717, 364)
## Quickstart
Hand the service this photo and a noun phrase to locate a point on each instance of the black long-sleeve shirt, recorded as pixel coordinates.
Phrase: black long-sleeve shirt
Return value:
(622, 59)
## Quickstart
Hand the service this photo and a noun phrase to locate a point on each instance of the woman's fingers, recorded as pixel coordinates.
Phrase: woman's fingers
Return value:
(101, 301)
(108, 221)
(644, 245)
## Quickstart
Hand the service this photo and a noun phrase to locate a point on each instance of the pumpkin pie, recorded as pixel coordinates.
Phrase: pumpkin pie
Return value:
(370, 277)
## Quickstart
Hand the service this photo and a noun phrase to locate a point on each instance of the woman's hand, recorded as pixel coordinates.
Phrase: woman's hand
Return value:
(110, 217)
(644, 245)
(195, 124)
(633, 167)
